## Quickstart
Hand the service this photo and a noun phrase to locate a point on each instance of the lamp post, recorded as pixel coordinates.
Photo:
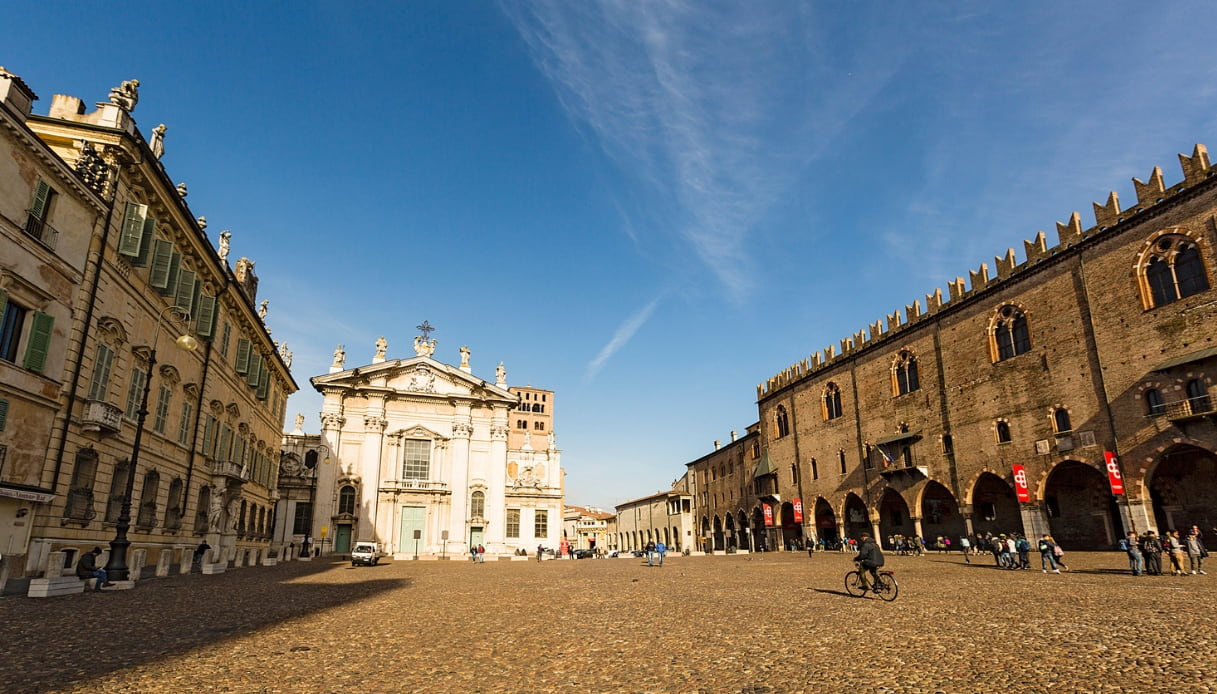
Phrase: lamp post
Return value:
(116, 566)
(305, 550)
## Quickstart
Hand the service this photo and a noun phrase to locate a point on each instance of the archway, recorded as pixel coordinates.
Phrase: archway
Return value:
(732, 539)
(857, 520)
(894, 518)
(994, 506)
(1080, 507)
(760, 536)
(747, 541)
(940, 514)
(1183, 490)
(704, 535)
(717, 544)
(826, 522)
(792, 531)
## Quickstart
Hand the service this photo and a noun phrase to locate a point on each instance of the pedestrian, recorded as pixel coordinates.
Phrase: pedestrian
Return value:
(473, 554)
(200, 554)
(87, 568)
(650, 550)
(481, 554)
(1136, 562)
(1196, 551)
(1151, 548)
(1176, 549)
(1057, 553)
(966, 546)
(540, 551)
(1024, 552)
(660, 550)
(1047, 550)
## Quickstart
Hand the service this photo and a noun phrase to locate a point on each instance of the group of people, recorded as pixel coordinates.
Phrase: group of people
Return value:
(477, 554)
(1145, 552)
(655, 553)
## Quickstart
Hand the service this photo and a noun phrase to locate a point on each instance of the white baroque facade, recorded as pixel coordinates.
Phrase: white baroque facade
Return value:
(424, 447)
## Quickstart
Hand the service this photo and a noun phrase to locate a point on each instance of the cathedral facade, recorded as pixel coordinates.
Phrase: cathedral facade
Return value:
(428, 459)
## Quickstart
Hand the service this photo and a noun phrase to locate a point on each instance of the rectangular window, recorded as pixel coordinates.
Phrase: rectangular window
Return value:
(304, 518)
(11, 325)
(183, 427)
(540, 523)
(100, 385)
(224, 338)
(416, 460)
(135, 393)
(162, 410)
(513, 523)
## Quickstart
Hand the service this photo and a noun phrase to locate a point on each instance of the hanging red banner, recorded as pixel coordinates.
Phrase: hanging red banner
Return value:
(798, 510)
(1020, 483)
(1113, 472)
(768, 511)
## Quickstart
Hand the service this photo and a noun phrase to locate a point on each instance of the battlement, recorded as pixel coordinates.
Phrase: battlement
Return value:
(1196, 169)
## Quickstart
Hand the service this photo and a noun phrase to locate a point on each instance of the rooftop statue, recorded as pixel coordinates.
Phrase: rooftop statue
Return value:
(125, 95)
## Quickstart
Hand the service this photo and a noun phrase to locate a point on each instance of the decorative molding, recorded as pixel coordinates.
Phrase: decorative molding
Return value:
(330, 420)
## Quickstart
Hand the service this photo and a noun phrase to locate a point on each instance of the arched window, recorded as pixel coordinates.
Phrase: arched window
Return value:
(1198, 397)
(782, 420)
(1153, 402)
(118, 488)
(1003, 432)
(147, 500)
(1060, 420)
(832, 401)
(346, 499)
(79, 504)
(1173, 270)
(477, 505)
(1010, 332)
(905, 373)
(174, 508)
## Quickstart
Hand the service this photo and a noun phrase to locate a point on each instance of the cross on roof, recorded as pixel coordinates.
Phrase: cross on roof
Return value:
(426, 329)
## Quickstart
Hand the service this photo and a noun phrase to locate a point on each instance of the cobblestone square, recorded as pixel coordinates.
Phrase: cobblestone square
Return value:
(739, 623)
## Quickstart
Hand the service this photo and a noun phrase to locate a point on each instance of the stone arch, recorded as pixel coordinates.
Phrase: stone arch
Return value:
(940, 513)
(895, 517)
(994, 505)
(792, 531)
(1080, 508)
(856, 516)
(1182, 489)
(760, 537)
(825, 521)
(730, 534)
(1147, 253)
(717, 539)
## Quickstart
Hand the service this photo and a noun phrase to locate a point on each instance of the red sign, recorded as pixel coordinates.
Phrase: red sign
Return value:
(1020, 483)
(1113, 472)
(798, 510)
(768, 513)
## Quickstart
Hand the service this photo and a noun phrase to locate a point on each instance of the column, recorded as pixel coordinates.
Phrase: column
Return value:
(496, 483)
(462, 470)
(371, 456)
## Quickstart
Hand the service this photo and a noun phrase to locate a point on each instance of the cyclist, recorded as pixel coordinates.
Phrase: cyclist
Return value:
(868, 559)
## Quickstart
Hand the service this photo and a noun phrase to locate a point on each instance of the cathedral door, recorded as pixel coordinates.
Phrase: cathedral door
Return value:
(413, 518)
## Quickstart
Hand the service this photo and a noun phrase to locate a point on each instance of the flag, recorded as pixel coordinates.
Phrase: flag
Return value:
(887, 459)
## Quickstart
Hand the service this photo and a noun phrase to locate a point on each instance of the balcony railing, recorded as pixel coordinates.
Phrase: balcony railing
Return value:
(102, 416)
(413, 485)
(1188, 409)
(229, 469)
(41, 232)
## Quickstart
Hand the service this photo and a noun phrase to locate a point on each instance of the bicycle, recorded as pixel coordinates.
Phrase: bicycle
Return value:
(885, 585)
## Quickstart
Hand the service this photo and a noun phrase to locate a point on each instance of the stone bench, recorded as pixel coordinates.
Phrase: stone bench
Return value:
(58, 585)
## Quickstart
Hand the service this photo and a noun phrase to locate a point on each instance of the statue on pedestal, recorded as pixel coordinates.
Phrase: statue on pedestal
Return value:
(125, 95)
(158, 140)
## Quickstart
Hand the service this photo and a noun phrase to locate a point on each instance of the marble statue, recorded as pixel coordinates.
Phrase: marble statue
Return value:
(224, 242)
(181, 190)
(216, 513)
(500, 375)
(202, 222)
(125, 95)
(340, 356)
(424, 347)
(287, 360)
(299, 421)
(382, 346)
(158, 140)
(263, 308)
(465, 357)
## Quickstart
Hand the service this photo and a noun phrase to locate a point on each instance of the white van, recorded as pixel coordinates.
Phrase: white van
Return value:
(366, 553)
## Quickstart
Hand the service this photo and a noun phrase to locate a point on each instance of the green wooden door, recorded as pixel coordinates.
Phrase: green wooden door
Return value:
(475, 537)
(413, 518)
(342, 540)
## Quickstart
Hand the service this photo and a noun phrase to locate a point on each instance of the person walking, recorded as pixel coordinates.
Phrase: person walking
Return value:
(481, 554)
(1151, 548)
(1196, 551)
(1136, 562)
(1057, 553)
(650, 550)
(1023, 545)
(966, 546)
(660, 550)
(1175, 548)
(1047, 550)
(540, 551)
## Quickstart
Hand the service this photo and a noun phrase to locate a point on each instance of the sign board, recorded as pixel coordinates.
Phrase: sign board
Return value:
(1113, 472)
(768, 511)
(1020, 483)
(798, 510)
(325, 529)
(444, 536)
(418, 534)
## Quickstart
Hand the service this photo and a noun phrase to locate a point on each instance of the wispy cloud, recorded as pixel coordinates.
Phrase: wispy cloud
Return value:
(701, 102)
(624, 333)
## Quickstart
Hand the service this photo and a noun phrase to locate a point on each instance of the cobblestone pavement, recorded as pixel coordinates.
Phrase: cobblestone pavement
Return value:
(758, 623)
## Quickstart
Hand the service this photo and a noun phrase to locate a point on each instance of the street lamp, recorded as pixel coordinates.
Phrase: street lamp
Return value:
(305, 550)
(116, 567)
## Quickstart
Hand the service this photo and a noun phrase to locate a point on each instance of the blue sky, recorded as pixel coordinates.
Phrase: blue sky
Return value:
(647, 207)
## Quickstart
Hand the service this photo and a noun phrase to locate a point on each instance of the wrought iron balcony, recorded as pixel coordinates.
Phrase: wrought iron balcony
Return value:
(229, 469)
(102, 416)
(41, 232)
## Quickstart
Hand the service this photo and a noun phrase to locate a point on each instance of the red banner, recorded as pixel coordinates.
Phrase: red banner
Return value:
(1020, 483)
(1113, 472)
(768, 510)
(798, 510)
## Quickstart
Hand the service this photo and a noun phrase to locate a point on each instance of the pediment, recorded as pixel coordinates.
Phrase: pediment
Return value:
(419, 377)
(418, 431)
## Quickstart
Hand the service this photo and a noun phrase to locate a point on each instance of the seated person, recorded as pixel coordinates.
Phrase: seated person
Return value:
(87, 568)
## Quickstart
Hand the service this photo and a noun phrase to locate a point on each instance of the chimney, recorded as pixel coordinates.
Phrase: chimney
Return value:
(717, 444)
(734, 436)
(16, 93)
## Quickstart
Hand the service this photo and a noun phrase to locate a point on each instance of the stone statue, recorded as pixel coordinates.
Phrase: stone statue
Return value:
(224, 237)
(263, 308)
(424, 347)
(382, 346)
(300, 422)
(234, 509)
(181, 190)
(244, 268)
(287, 360)
(500, 375)
(465, 357)
(216, 513)
(551, 440)
(202, 222)
(125, 95)
(158, 140)
(340, 356)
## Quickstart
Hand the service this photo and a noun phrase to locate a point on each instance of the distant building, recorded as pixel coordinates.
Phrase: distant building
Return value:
(585, 528)
(664, 516)
(424, 460)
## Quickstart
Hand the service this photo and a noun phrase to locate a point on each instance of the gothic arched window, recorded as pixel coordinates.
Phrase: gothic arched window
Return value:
(1010, 332)
(1173, 270)
(905, 373)
(782, 421)
(832, 401)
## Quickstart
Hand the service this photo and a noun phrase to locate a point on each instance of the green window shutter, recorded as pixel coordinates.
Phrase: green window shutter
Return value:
(145, 244)
(40, 342)
(242, 364)
(42, 193)
(263, 384)
(3, 413)
(208, 432)
(255, 369)
(162, 256)
(133, 229)
(101, 373)
(3, 302)
(205, 324)
(184, 296)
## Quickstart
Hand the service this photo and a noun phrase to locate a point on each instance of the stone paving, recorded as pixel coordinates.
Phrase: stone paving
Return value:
(756, 623)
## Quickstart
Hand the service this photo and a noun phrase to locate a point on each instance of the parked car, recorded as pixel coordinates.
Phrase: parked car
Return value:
(368, 553)
(585, 554)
